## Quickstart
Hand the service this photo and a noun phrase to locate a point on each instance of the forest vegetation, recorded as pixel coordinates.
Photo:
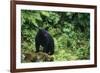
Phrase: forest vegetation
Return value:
(70, 31)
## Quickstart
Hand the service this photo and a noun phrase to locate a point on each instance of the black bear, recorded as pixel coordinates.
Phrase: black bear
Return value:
(45, 40)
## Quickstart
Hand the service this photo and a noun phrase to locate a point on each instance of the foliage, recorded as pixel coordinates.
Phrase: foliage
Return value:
(70, 31)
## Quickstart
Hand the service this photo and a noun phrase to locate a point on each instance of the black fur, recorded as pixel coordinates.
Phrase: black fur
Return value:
(44, 39)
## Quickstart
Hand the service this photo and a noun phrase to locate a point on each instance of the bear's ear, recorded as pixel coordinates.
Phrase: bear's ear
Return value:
(46, 28)
(41, 30)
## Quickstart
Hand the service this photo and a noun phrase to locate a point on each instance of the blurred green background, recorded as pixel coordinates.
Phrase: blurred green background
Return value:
(70, 31)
